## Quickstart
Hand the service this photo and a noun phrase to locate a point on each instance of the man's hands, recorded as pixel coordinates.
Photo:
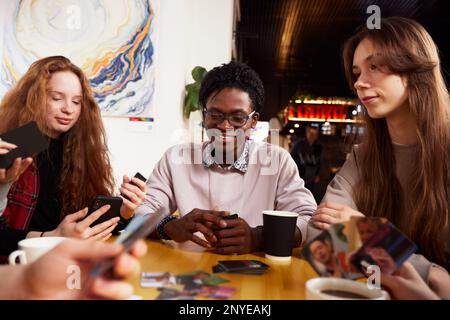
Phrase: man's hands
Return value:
(134, 189)
(198, 220)
(238, 238)
(226, 236)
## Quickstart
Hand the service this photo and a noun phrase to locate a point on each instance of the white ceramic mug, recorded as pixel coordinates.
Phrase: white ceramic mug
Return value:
(31, 249)
(341, 289)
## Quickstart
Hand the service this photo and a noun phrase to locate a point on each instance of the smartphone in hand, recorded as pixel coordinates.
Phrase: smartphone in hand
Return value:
(230, 217)
(29, 141)
(100, 201)
(140, 177)
(138, 228)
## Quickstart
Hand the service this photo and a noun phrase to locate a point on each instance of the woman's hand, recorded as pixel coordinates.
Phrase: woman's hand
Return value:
(18, 167)
(329, 213)
(74, 226)
(406, 284)
(135, 193)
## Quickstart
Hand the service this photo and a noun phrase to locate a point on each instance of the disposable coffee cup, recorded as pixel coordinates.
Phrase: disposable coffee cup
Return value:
(278, 234)
(32, 248)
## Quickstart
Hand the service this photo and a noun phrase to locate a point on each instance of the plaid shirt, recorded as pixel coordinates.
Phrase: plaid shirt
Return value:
(22, 200)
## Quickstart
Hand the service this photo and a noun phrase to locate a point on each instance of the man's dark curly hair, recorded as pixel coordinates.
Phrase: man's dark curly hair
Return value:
(233, 75)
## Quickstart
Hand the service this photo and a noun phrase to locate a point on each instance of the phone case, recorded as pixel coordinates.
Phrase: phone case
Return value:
(99, 201)
(140, 177)
(29, 141)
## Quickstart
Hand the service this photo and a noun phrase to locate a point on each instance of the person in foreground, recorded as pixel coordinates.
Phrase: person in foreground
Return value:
(50, 277)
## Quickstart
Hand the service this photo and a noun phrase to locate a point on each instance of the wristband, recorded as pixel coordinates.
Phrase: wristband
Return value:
(160, 228)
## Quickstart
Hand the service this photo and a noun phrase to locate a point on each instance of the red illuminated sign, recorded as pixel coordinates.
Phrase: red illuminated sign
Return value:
(310, 111)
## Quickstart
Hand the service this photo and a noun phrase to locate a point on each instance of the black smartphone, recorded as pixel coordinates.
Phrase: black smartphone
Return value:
(230, 217)
(138, 228)
(140, 177)
(29, 141)
(100, 201)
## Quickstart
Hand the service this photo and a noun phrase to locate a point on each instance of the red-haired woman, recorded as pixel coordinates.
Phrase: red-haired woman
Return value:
(47, 198)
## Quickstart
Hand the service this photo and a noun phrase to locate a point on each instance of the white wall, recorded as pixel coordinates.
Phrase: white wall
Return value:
(189, 33)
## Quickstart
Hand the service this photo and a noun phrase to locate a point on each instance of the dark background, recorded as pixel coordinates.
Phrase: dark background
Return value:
(295, 45)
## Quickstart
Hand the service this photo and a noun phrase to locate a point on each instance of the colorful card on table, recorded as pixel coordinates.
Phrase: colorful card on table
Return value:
(176, 294)
(347, 249)
(216, 292)
(156, 279)
(199, 278)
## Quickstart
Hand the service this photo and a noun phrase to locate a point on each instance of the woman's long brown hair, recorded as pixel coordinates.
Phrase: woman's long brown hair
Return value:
(86, 170)
(405, 48)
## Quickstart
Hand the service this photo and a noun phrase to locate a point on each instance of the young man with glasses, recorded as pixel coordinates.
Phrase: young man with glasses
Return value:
(228, 174)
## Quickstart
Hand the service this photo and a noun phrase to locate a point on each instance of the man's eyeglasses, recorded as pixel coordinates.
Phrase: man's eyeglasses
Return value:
(235, 119)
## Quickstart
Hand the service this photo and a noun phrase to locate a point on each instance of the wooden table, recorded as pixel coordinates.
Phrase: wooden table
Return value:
(282, 281)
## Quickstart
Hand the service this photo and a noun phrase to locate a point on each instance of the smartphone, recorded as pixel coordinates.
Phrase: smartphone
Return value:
(100, 201)
(29, 141)
(230, 217)
(138, 228)
(140, 177)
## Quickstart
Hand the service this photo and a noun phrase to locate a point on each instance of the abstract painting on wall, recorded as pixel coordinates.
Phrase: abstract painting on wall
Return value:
(113, 41)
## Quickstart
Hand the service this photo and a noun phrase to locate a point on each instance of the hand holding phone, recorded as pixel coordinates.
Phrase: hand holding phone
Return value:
(29, 141)
(230, 217)
(139, 227)
(140, 177)
(100, 201)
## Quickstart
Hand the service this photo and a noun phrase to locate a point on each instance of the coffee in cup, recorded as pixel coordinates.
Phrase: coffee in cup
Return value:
(342, 289)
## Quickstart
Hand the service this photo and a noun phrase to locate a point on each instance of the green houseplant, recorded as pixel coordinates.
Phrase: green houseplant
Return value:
(191, 102)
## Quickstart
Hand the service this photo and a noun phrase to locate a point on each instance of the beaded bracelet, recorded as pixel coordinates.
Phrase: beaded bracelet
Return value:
(160, 228)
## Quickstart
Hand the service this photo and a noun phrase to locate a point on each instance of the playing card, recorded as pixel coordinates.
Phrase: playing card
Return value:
(384, 246)
(346, 249)
(176, 294)
(217, 292)
(156, 279)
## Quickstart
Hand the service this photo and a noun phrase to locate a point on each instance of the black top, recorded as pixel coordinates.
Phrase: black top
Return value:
(47, 214)
(307, 157)
(9, 238)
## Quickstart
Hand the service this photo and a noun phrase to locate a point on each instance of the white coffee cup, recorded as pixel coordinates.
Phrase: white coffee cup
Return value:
(31, 249)
(342, 289)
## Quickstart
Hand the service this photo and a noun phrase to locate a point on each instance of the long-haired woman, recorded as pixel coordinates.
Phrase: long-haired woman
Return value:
(47, 198)
(401, 171)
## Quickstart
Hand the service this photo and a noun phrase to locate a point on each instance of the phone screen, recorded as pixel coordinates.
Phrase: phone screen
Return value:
(139, 227)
